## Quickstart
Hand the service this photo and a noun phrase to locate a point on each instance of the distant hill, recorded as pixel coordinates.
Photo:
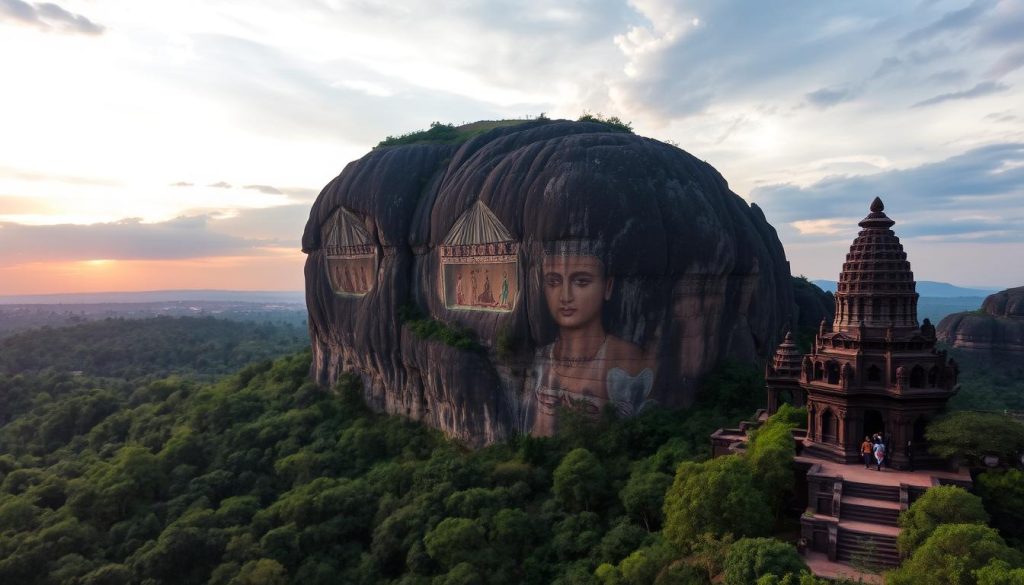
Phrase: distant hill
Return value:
(928, 288)
(159, 296)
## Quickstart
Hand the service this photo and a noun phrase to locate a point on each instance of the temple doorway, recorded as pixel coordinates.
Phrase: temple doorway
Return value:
(873, 423)
(828, 426)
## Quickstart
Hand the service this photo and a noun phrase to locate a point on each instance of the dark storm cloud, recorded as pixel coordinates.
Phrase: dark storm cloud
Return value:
(129, 239)
(986, 181)
(982, 89)
(47, 16)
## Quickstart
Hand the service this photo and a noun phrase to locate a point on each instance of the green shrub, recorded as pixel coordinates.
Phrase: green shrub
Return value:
(939, 505)
(752, 558)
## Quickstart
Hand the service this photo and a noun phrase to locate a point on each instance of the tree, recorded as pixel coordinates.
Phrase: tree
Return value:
(644, 496)
(454, 541)
(973, 435)
(999, 572)
(1002, 493)
(718, 496)
(752, 558)
(261, 572)
(939, 505)
(580, 481)
(952, 554)
(771, 450)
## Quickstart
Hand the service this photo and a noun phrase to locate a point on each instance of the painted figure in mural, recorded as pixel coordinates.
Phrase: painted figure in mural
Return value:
(348, 285)
(504, 290)
(458, 290)
(486, 298)
(363, 280)
(472, 287)
(586, 367)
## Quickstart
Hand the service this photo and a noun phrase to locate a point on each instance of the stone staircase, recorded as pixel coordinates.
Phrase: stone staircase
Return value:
(867, 520)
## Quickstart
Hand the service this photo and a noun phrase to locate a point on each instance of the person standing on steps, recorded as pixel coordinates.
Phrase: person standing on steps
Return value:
(867, 452)
(879, 455)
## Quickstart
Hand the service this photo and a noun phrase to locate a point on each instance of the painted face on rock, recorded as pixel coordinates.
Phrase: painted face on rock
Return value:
(575, 288)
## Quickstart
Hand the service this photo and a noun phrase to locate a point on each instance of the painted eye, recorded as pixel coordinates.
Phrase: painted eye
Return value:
(553, 280)
(582, 281)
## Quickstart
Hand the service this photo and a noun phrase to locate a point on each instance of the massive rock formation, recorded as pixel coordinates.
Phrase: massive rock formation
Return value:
(814, 305)
(592, 267)
(997, 327)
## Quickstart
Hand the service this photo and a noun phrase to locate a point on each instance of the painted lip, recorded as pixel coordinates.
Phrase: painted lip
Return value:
(566, 312)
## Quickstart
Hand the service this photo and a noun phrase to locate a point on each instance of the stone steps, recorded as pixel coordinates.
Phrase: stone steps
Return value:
(866, 548)
(885, 493)
(875, 512)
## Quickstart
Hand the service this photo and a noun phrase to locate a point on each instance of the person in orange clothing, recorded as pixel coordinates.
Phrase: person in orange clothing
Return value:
(867, 450)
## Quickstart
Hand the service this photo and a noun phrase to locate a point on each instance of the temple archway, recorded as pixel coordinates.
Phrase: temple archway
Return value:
(874, 373)
(829, 424)
(833, 372)
(872, 423)
(917, 377)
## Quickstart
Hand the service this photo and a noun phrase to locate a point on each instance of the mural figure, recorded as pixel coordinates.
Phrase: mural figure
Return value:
(586, 367)
(459, 300)
(504, 290)
(486, 299)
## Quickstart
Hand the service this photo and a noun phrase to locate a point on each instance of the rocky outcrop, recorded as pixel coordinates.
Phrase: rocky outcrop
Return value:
(997, 327)
(814, 305)
(591, 268)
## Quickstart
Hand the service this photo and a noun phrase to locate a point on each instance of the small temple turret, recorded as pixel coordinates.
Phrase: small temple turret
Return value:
(782, 376)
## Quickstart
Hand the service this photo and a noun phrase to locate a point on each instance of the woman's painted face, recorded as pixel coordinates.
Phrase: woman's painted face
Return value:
(575, 288)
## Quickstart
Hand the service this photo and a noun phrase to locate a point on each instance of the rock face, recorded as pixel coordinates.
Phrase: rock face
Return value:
(814, 305)
(998, 327)
(593, 268)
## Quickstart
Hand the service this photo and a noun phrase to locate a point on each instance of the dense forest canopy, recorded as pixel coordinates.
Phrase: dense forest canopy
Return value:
(261, 477)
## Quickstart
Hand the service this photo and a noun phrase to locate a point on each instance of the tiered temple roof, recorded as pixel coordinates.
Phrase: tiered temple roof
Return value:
(876, 290)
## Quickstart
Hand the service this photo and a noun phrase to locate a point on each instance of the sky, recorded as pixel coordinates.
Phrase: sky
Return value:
(177, 145)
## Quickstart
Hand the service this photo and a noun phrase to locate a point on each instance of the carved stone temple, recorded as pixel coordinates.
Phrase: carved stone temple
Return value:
(875, 369)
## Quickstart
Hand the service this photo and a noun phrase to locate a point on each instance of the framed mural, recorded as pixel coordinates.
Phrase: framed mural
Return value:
(350, 255)
(479, 263)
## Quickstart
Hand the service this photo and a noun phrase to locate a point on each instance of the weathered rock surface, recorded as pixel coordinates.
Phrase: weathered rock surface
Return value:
(692, 275)
(997, 327)
(813, 305)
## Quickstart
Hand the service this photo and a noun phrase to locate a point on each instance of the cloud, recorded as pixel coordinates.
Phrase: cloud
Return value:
(220, 185)
(181, 184)
(982, 89)
(47, 16)
(18, 205)
(978, 194)
(129, 239)
(1007, 63)
(282, 224)
(950, 21)
(828, 97)
(265, 189)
